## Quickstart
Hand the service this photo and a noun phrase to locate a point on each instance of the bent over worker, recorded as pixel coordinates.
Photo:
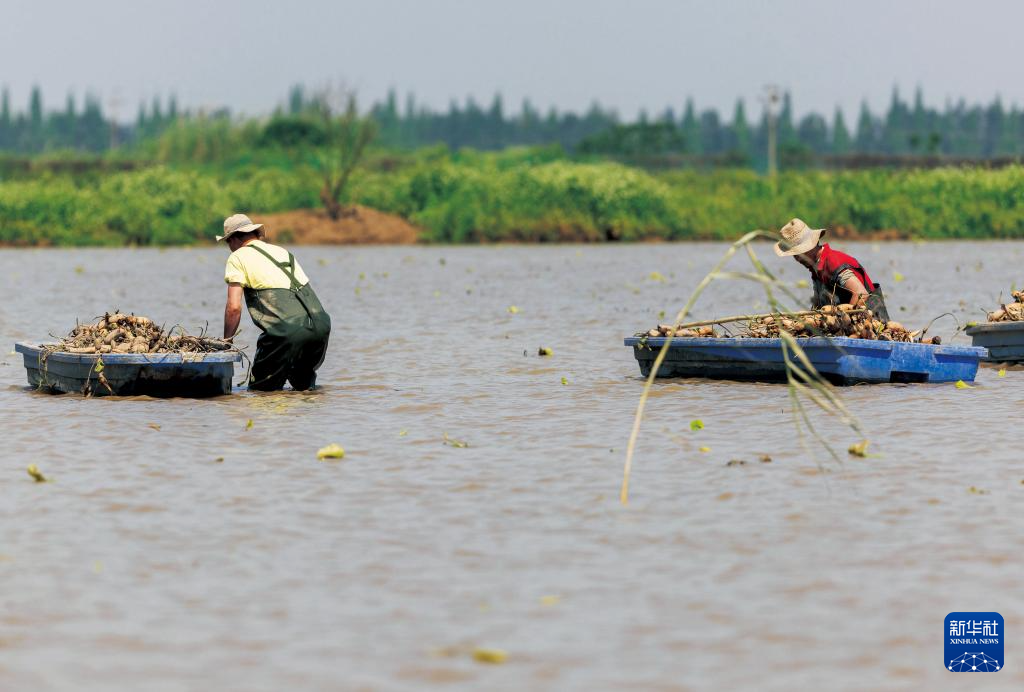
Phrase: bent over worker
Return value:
(838, 277)
(281, 303)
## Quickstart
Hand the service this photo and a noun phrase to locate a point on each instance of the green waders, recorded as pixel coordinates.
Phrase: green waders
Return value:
(295, 330)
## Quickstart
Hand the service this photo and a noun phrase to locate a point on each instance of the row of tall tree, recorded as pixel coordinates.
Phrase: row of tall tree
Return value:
(71, 127)
(907, 128)
(84, 127)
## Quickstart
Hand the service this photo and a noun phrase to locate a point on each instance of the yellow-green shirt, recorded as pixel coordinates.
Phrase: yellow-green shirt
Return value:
(250, 268)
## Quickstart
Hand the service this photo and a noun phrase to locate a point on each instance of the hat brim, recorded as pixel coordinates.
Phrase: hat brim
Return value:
(248, 228)
(809, 243)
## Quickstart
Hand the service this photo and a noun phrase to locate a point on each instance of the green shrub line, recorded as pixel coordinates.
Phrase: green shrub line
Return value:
(516, 195)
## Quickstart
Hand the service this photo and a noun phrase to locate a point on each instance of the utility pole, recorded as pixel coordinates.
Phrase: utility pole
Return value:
(771, 99)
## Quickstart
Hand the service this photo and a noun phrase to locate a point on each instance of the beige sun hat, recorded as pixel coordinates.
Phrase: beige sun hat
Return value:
(797, 238)
(239, 223)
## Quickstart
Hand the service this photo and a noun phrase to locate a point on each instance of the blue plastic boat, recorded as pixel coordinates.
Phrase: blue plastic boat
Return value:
(1004, 341)
(127, 374)
(841, 360)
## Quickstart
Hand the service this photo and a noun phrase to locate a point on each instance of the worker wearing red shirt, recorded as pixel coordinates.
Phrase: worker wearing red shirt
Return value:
(838, 278)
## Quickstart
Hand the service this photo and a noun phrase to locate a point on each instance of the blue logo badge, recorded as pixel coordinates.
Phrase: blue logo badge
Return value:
(974, 642)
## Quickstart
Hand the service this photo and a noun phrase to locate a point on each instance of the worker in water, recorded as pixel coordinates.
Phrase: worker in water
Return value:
(281, 303)
(838, 278)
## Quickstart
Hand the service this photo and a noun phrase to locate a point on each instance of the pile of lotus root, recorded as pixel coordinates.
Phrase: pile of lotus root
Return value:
(1010, 312)
(830, 320)
(666, 329)
(120, 333)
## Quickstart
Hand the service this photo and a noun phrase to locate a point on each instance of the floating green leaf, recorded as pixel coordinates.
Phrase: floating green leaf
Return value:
(545, 351)
(657, 276)
(696, 424)
(1002, 372)
(455, 443)
(960, 384)
(859, 449)
(331, 451)
(897, 277)
(36, 474)
(512, 309)
(248, 424)
(489, 655)
(565, 380)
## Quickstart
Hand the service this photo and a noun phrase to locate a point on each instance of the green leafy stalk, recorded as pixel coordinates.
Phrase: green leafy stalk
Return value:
(803, 379)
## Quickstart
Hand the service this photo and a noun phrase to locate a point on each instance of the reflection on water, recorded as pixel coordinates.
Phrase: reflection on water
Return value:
(209, 555)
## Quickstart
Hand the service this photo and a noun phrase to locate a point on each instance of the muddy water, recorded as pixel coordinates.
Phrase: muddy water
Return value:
(149, 563)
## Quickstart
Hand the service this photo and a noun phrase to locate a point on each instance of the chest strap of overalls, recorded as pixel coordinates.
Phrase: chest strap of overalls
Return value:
(289, 271)
(287, 267)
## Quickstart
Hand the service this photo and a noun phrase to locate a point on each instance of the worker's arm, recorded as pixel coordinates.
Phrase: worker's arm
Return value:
(856, 288)
(233, 310)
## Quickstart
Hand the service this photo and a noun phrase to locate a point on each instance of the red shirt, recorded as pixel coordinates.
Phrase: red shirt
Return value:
(832, 262)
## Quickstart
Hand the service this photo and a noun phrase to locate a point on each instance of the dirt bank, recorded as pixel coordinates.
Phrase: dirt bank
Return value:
(363, 226)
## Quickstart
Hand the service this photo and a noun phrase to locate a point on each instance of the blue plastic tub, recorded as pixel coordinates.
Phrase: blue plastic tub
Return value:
(841, 360)
(1004, 341)
(127, 374)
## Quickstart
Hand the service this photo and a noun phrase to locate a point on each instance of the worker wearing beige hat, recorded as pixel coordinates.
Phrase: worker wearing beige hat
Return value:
(295, 327)
(838, 277)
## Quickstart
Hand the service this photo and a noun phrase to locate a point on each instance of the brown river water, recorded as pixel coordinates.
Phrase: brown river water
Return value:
(148, 564)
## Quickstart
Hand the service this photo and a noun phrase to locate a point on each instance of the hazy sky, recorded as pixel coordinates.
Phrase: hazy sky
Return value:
(628, 54)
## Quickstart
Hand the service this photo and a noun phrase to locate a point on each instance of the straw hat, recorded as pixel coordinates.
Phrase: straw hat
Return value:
(797, 238)
(239, 223)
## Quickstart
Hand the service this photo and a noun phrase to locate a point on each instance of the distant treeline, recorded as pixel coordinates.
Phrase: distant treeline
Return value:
(906, 129)
(85, 127)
